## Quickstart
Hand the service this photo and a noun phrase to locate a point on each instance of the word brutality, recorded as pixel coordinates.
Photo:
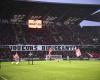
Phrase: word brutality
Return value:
(42, 47)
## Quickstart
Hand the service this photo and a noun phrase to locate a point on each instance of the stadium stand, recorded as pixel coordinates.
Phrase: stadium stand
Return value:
(59, 27)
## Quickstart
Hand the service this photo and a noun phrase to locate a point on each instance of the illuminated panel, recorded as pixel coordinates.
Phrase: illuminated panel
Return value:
(35, 23)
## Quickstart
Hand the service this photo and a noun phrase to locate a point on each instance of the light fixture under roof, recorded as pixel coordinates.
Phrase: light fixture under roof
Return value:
(89, 23)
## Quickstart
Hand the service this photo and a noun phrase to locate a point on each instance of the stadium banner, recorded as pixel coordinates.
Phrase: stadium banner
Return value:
(41, 47)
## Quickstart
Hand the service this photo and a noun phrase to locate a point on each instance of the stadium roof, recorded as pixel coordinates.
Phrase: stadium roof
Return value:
(45, 11)
(92, 2)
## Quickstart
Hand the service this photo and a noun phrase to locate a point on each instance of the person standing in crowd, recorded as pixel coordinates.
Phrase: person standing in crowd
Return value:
(30, 58)
(16, 58)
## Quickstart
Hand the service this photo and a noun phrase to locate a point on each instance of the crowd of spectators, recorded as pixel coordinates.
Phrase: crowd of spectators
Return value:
(68, 35)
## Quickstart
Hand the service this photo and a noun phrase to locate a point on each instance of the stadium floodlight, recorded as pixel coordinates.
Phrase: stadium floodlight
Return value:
(17, 18)
(35, 17)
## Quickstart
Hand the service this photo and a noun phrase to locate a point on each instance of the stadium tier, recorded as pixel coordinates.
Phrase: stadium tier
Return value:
(36, 23)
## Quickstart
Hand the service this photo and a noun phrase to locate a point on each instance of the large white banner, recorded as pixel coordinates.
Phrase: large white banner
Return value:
(42, 47)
